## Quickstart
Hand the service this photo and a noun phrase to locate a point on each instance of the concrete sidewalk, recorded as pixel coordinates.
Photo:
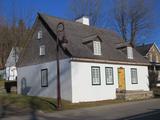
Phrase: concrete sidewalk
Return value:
(147, 109)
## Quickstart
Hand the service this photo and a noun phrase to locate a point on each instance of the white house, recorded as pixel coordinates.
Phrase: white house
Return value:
(11, 70)
(93, 64)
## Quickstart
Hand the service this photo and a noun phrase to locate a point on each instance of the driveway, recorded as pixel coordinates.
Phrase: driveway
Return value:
(140, 110)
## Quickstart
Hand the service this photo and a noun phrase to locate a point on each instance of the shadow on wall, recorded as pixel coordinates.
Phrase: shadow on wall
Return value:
(24, 88)
(53, 81)
(37, 90)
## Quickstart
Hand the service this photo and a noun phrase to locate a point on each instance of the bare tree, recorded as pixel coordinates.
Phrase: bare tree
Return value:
(13, 31)
(90, 8)
(132, 18)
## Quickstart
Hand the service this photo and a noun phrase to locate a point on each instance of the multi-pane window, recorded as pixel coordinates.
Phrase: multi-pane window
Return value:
(134, 77)
(96, 78)
(109, 76)
(130, 52)
(42, 50)
(44, 77)
(97, 47)
(39, 34)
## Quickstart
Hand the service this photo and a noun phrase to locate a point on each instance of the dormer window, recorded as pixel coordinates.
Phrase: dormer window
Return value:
(97, 47)
(93, 42)
(39, 34)
(42, 50)
(130, 52)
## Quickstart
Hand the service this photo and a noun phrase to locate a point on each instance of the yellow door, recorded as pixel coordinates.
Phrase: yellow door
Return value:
(121, 78)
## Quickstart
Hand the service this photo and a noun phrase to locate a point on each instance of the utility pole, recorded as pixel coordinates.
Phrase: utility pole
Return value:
(60, 40)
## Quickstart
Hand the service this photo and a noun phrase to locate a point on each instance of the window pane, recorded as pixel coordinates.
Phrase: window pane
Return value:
(40, 34)
(44, 78)
(134, 77)
(130, 52)
(42, 50)
(95, 75)
(97, 47)
(109, 75)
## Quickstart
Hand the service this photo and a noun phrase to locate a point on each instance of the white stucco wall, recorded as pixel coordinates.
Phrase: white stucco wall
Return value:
(83, 90)
(76, 81)
(32, 74)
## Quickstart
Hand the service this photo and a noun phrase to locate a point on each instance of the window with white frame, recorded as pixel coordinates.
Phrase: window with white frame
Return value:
(96, 78)
(97, 47)
(39, 34)
(44, 78)
(109, 76)
(42, 50)
(130, 52)
(134, 77)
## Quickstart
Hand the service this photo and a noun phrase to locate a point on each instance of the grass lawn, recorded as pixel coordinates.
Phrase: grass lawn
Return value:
(27, 102)
(45, 104)
(1, 83)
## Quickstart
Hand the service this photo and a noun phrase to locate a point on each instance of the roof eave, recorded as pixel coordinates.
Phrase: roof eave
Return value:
(109, 61)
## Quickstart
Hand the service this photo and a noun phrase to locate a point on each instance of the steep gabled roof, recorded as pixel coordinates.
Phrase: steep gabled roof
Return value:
(144, 49)
(13, 57)
(77, 33)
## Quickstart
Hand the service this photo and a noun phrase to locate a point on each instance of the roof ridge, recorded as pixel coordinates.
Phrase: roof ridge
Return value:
(73, 22)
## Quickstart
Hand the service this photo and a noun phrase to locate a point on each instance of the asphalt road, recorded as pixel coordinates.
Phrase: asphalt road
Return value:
(140, 110)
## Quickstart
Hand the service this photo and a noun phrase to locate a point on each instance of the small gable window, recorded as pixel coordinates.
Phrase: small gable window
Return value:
(39, 34)
(42, 50)
(97, 47)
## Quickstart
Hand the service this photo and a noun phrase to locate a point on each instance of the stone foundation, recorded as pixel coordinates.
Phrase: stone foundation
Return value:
(134, 95)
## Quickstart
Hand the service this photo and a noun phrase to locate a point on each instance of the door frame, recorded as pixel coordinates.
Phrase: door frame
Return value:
(124, 77)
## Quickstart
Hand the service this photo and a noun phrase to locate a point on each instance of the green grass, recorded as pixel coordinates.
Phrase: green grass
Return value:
(46, 104)
(1, 83)
(68, 105)
(27, 102)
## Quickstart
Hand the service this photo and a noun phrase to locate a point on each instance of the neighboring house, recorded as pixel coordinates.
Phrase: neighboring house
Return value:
(11, 70)
(2, 73)
(94, 64)
(152, 53)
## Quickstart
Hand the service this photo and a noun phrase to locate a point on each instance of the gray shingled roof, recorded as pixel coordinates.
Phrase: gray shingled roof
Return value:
(76, 33)
(144, 49)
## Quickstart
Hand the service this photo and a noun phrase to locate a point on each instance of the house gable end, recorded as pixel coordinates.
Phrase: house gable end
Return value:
(31, 55)
(154, 53)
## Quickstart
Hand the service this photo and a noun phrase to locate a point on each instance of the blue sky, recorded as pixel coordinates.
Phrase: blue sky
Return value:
(60, 8)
